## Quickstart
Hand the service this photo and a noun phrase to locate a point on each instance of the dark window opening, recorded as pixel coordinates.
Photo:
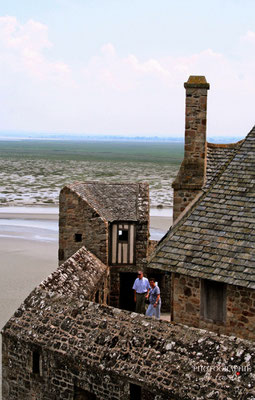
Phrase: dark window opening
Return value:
(97, 297)
(123, 235)
(135, 392)
(81, 394)
(36, 362)
(78, 237)
(61, 254)
(213, 301)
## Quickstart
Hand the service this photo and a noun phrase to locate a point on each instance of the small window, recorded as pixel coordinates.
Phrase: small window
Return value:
(213, 300)
(97, 297)
(61, 254)
(78, 237)
(80, 394)
(36, 362)
(135, 392)
(123, 235)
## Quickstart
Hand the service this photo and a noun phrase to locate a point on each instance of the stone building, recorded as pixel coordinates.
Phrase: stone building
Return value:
(65, 342)
(210, 249)
(111, 221)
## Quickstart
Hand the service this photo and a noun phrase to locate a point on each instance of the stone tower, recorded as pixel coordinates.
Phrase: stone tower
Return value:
(191, 176)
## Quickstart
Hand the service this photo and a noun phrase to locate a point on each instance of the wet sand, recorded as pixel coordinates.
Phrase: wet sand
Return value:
(23, 266)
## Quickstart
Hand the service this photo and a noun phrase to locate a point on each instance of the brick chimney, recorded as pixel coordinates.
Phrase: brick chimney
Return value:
(192, 173)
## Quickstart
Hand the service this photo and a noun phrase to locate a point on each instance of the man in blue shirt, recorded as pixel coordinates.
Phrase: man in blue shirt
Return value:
(141, 289)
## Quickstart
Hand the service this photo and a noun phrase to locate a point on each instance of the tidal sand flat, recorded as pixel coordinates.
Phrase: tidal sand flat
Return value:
(28, 249)
(33, 171)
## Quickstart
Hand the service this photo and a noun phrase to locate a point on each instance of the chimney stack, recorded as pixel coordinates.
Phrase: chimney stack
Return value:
(192, 174)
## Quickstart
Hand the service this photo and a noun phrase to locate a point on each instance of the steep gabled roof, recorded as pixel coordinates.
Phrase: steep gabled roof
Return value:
(115, 201)
(216, 238)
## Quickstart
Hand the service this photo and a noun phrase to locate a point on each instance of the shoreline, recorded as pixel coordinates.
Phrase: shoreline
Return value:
(160, 218)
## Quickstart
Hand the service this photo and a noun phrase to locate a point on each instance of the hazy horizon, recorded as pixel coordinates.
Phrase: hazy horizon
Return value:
(102, 137)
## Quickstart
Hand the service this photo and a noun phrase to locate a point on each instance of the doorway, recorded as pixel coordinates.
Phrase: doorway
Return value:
(126, 292)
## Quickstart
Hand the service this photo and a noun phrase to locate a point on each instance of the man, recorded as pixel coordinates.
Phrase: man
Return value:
(154, 300)
(141, 289)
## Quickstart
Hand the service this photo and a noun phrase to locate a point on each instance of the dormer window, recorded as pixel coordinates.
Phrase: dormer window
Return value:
(122, 243)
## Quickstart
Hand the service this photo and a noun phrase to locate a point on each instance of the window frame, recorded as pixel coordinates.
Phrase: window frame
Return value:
(213, 291)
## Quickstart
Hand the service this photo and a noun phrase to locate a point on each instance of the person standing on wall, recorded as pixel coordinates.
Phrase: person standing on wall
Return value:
(141, 289)
(154, 300)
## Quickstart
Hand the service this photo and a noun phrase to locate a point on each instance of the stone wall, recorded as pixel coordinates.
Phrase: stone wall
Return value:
(192, 173)
(186, 300)
(143, 224)
(104, 351)
(142, 241)
(77, 217)
(59, 377)
(181, 200)
(240, 308)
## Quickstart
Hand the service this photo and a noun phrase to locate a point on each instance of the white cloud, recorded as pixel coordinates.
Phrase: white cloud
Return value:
(112, 93)
(249, 37)
(23, 46)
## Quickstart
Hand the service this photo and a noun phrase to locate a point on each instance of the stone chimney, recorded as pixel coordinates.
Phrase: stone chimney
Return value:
(192, 173)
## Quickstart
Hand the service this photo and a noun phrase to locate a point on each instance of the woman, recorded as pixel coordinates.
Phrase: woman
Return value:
(154, 300)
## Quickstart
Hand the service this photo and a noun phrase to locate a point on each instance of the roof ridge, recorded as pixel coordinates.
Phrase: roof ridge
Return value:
(224, 145)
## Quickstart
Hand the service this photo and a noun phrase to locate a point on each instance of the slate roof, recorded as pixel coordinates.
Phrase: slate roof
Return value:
(217, 156)
(115, 201)
(216, 238)
(135, 348)
(81, 274)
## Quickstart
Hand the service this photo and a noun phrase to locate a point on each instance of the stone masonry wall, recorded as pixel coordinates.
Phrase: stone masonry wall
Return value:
(182, 198)
(142, 242)
(186, 300)
(143, 225)
(77, 217)
(104, 351)
(240, 308)
(59, 378)
(192, 174)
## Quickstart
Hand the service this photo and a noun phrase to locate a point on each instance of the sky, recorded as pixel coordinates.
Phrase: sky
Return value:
(117, 67)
